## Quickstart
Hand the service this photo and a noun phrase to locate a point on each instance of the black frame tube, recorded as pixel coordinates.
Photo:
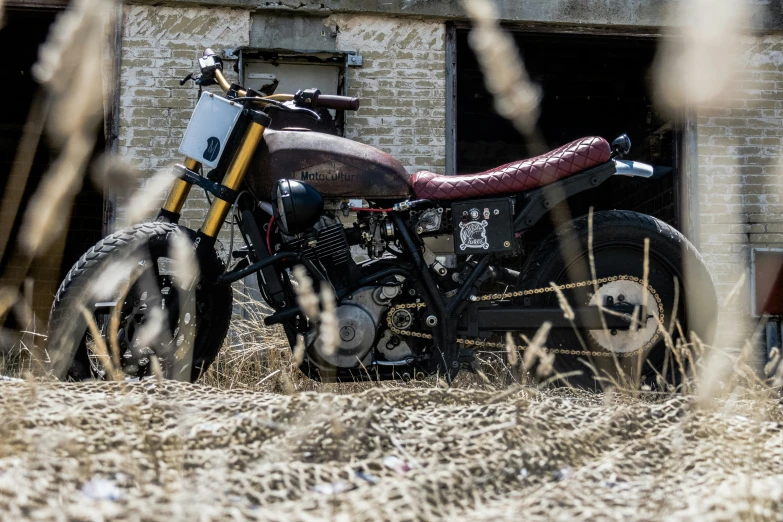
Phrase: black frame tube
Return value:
(236, 275)
(459, 302)
(273, 287)
(538, 202)
(446, 335)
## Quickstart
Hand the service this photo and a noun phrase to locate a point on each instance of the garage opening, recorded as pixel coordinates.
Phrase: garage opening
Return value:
(23, 31)
(591, 86)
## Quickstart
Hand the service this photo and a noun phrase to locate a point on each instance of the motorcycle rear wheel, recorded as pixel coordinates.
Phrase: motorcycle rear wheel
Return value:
(69, 355)
(676, 271)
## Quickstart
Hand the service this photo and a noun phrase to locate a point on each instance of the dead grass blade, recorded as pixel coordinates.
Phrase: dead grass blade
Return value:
(329, 328)
(511, 350)
(148, 198)
(516, 97)
(535, 352)
(116, 311)
(305, 294)
(109, 365)
(70, 69)
(698, 64)
(20, 171)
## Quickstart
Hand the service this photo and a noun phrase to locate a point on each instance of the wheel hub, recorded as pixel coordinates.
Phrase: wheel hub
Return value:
(624, 341)
(150, 324)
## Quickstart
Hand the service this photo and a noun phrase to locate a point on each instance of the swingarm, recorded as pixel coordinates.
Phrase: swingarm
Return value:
(480, 320)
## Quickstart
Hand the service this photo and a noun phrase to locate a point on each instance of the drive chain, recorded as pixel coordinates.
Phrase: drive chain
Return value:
(478, 343)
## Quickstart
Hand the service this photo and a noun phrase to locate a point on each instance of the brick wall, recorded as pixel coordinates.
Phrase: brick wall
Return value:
(160, 46)
(740, 151)
(402, 85)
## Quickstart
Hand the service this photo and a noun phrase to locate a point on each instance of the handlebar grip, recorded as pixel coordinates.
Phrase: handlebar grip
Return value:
(338, 102)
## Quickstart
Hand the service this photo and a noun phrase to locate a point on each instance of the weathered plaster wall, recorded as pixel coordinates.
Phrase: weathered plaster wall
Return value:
(740, 157)
(160, 46)
(401, 85)
(618, 13)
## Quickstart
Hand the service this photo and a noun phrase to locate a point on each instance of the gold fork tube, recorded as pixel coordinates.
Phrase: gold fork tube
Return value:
(233, 179)
(180, 190)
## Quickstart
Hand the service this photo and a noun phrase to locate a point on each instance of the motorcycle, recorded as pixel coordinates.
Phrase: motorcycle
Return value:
(446, 272)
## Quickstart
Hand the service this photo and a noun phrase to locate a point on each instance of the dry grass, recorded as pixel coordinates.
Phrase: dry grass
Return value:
(166, 450)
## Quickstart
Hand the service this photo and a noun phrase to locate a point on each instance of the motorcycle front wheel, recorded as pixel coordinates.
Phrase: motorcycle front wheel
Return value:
(679, 295)
(130, 284)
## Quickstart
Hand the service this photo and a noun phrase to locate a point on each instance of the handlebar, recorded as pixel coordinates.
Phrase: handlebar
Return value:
(224, 84)
(329, 101)
(326, 101)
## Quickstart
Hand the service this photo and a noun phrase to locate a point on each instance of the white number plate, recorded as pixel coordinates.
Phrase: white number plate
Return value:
(209, 129)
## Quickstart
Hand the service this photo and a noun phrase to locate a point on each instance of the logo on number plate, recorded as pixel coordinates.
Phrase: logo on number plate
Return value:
(213, 149)
(473, 235)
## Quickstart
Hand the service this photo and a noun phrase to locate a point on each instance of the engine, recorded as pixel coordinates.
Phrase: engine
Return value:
(359, 317)
(362, 314)
(362, 310)
(333, 253)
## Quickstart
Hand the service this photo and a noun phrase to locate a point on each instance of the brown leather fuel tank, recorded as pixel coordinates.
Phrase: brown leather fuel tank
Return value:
(336, 167)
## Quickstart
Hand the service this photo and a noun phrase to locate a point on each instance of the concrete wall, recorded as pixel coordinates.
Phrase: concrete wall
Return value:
(631, 14)
(740, 153)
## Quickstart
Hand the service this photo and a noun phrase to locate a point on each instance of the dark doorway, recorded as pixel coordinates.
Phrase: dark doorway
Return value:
(591, 86)
(24, 30)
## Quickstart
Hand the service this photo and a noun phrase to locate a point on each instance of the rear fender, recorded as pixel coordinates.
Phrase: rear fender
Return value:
(534, 204)
(633, 168)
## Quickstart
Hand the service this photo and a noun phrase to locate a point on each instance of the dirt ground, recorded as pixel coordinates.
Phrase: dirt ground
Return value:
(169, 451)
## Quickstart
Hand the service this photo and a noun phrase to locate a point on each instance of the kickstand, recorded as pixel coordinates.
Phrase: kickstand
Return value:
(473, 366)
(469, 362)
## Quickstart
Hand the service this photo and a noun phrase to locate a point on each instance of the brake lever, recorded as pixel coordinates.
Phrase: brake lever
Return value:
(309, 112)
(199, 79)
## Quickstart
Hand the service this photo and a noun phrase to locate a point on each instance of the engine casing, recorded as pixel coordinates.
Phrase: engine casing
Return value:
(359, 317)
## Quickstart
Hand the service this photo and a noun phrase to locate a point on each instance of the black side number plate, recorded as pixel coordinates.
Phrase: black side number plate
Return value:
(483, 226)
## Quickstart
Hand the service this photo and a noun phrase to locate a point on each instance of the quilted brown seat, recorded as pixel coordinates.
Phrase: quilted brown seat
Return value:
(518, 176)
